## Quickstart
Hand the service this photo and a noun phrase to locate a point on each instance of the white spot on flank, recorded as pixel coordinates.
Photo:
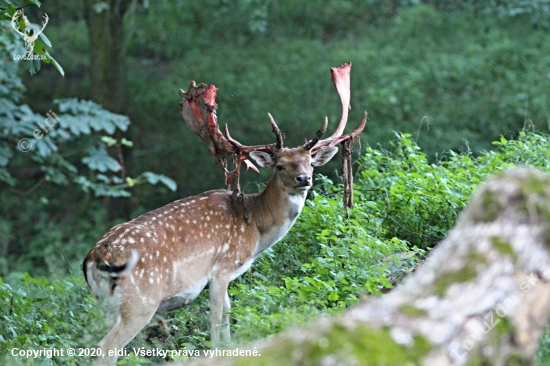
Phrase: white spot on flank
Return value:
(203, 198)
(157, 253)
(131, 240)
(151, 280)
(164, 259)
(142, 240)
(225, 248)
(208, 218)
(148, 235)
(154, 218)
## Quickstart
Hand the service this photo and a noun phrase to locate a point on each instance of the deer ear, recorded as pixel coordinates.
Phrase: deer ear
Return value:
(263, 159)
(322, 156)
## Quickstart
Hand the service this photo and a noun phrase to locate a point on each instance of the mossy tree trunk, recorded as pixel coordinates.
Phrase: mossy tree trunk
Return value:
(104, 20)
(481, 298)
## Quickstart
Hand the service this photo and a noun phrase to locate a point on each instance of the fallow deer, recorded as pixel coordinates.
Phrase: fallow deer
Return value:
(163, 259)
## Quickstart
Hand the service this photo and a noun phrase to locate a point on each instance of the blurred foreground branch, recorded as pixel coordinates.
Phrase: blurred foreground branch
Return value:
(482, 297)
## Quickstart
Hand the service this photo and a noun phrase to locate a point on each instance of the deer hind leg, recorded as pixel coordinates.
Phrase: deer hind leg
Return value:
(125, 329)
(217, 297)
(225, 333)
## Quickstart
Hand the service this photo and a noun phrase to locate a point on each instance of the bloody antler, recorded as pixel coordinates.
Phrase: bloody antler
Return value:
(341, 78)
(198, 109)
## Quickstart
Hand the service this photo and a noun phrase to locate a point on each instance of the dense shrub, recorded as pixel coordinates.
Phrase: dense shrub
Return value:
(326, 262)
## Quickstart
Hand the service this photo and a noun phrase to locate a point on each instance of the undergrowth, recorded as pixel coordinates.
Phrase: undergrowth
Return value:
(404, 204)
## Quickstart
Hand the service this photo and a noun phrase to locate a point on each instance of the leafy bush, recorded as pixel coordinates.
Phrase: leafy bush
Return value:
(326, 263)
(41, 314)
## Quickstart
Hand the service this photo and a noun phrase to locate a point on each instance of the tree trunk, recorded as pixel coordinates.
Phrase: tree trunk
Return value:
(106, 35)
(481, 298)
(108, 76)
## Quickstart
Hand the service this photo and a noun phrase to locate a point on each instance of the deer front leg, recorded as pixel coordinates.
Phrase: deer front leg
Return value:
(217, 296)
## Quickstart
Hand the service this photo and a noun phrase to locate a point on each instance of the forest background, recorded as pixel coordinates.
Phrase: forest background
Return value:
(454, 90)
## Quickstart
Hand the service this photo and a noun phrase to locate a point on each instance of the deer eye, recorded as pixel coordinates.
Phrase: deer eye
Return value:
(280, 168)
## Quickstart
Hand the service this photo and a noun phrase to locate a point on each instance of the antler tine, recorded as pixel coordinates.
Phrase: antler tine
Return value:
(340, 77)
(354, 134)
(37, 33)
(311, 143)
(277, 132)
(14, 24)
(245, 149)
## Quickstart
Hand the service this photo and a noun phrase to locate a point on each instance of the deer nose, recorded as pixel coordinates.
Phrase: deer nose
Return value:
(303, 180)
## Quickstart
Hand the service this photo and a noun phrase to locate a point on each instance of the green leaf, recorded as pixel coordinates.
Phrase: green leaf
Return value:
(109, 141)
(55, 64)
(100, 160)
(44, 39)
(33, 66)
(127, 143)
(154, 178)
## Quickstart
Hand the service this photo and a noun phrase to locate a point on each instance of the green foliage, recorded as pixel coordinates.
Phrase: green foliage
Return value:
(325, 264)
(40, 314)
(455, 80)
(13, 12)
(451, 74)
(418, 200)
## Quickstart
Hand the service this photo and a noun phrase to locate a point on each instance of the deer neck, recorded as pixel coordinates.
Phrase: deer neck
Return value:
(273, 211)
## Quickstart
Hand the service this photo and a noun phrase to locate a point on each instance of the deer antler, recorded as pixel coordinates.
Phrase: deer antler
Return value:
(29, 40)
(340, 76)
(198, 109)
(35, 35)
(14, 24)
